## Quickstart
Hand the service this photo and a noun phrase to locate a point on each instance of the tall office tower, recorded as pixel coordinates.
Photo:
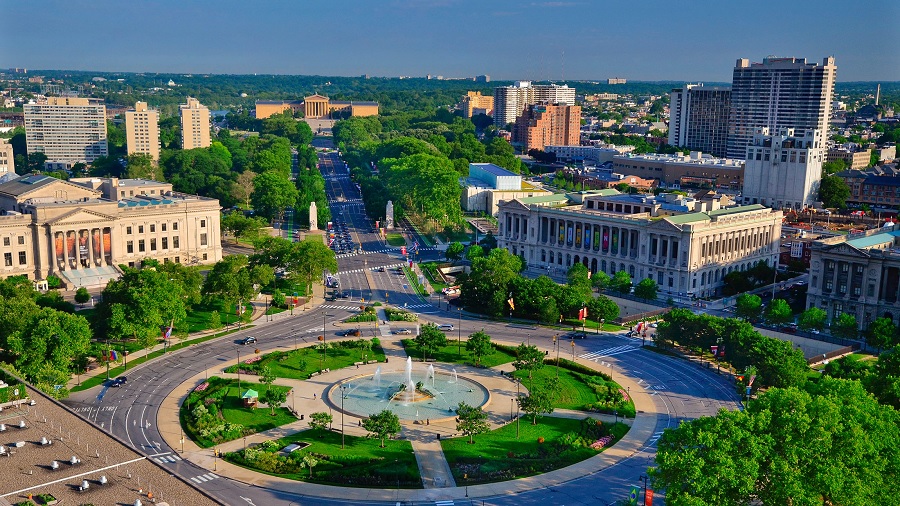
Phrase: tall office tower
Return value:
(699, 118)
(783, 170)
(194, 125)
(779, 93)
(510, 101)
(67, 130)
(542, 125)
(142, 130)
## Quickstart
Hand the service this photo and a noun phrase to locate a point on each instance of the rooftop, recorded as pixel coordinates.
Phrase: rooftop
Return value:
(874, 240)
(492, 169)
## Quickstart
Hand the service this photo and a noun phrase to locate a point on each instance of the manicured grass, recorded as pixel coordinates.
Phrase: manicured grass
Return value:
(223, 400)
(299, 363)
(591, 325)
(430, 270)
(577, 392)
(134, 360)
(414, 282)
(499, 455)
(275, 310)
(198, 317)
(361, 463)
(395, 239)
(457, 354)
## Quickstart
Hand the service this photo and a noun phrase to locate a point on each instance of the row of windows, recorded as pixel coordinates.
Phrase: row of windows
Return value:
(140, 228)
(8, 259)
(141, 244)
(19, 239)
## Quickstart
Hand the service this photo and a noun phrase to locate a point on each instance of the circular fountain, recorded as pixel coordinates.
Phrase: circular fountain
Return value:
(412, 395)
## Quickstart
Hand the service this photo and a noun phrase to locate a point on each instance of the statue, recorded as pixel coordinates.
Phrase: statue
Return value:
(389, 216)
(313, 217)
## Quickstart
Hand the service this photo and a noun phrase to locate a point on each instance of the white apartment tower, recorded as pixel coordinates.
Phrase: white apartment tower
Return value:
(779, 93)
(67, 130)
(699, 118)
(194, 125)
(783, 170)
(510, 101)
(7, 159)
(142, 130)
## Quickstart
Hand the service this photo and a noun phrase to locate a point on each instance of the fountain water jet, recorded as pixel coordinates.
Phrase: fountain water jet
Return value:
(410, 393)
(430, 374)
(376, 378)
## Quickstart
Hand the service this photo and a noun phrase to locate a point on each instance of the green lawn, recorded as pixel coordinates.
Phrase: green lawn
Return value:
(591, 325)
(395, 239)
(222, 400)
(457, 354)
(499, 455)
(430, 270)
(361, 463)
(299, 363)
(198, 317)
(579, 391)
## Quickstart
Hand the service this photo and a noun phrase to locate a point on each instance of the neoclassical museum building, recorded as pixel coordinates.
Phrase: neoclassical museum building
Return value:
(83, 229)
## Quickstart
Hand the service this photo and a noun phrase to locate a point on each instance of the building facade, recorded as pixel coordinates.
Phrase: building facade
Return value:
(68, 130)
(859, 275)
(266, 108)
(544, 124)
(489, 184)
(687, 254)
(783, 170)
(855, 160)
(779, 93)
(320, 106)
(698, 118)
(475, 103)
(695, 169)
(194, 125)
(596, 154)
(878, 186)
(7, 158)
(81, 230)
(511, 101)
(142, 130)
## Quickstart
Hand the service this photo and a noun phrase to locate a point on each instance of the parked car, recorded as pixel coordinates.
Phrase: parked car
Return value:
(403, 331)
(249, 340)
(445, 327)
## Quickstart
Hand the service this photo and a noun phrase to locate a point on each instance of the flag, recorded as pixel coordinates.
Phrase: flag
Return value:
(582, 315)
(752, 379)
(714, 349)
(168, 333)
(113, 356)
(512, 304)
(402, 250)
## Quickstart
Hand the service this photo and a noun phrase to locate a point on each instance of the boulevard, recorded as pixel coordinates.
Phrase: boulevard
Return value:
(679, 390)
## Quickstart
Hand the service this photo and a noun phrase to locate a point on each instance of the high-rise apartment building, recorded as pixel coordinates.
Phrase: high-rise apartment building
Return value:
(547, 124)
(7, 159)
(510, 101)
(67, 130)
(699, 118)
(194, 125)
(476, 103)
(783, 170)
(779, 93)
(142, 130)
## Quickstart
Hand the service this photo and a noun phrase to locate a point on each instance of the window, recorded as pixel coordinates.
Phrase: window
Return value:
(129, 246)
(829, 285)
(165, 243)
(163, 227)
(140, 229)
(7, 259)
(175, 243)
(857, 291)
(128, 230)
(21, 240)
(6, 241)
(859, 269)
(870, 292)
(202, 239)
(177, 260)
(204, 256)
(202, 223)
(845, 267)
(175, 226)
(153, 244)
(152, 228)
(141, 246)
(23, 259)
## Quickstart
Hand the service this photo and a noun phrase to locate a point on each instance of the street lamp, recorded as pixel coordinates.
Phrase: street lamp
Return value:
(517, 407)
(459, 332)
(573, 349)
(556, 343)
(239, 372)
(325, 315)
(343, 389)
(718, 345)
(644, 479)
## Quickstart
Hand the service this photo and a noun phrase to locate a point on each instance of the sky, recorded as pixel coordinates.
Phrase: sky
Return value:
(646, 40)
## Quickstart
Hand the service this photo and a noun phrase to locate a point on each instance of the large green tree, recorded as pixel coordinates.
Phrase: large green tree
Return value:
(479, 345)
(812, 319)
(528, 358)
(845, 326)
(833, 191)
(232, 280)
(646, 289)
(621, 282)
(272, 194)
(778, 312)
(140, 304)
(382, 425)
(471, 421)
(486, 288)
(539, 401)
(430, 339)
(748, 306)
(425, 184)
(882, 333)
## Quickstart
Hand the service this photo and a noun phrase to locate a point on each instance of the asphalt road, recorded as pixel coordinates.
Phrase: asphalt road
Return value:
(680, 390)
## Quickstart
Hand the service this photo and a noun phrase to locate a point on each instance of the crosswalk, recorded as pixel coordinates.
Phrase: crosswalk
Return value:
(595, 356)
(373, 269)
(349, 308)
(204, 478)
(443, 503)
(348, 255)
(166, 459)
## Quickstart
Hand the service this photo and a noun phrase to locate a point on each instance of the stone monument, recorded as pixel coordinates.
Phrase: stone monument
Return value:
(313, 217)
(389, 216)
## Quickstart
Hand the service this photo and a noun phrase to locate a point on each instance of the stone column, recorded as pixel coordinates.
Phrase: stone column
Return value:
(54, 266)
(77, 250)
(90, 246)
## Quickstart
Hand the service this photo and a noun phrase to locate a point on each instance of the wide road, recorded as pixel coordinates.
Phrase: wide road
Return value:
(680, 390)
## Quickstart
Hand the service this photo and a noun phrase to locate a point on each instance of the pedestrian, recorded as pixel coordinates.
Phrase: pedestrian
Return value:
(427, 421)
(314, 396)
(357, 366)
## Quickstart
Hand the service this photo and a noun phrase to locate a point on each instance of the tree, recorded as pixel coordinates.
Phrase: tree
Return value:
(232, 280)
(486, 288)
(471, 421)
(82, 295)
(882, 333)
(621, 282)
(319, 420)
(309, 258)
(475, 251)
(812, 319)
(833, 166)
(382, 425)
(363, 345)
(845, 326)
(272, 194)
(243, 187)
(833, 191)
(274, 397)
(736, 282)
(310, 461)
(601, 281)
(278, 298)
(748, 306)
(602, 308)
(528, 358)
(142, 166)
(778, 312)
(548, 312)
(240, 225)
(537, 402)
(579, 280)
(479, 345)
(646, 289)
(430, 339)
(454, 251)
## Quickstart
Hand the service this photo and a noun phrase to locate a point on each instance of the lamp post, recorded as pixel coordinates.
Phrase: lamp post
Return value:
(644, 479)
(556, 344)
(125, 354)
(573, 349)
(511, 402)
(718, 344)
(602, 323)
(343, 389)
(459, 332)
(325, 316)
(583, 322)
(517, 408)
(239, 372)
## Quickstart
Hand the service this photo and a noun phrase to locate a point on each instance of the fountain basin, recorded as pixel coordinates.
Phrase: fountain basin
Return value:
(363, 396)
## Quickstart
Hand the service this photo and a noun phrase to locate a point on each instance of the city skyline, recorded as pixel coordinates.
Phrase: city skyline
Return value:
(453, 38)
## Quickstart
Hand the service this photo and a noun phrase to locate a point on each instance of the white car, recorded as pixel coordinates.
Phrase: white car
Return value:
(654, 325)
(403, 331)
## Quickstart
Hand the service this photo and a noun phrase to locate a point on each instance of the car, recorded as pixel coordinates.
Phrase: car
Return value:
(248, 340)
(445, 327)
(654, 325)
(350, 332)
(381, 269)
(330, 298)
(345, 294)
(121, 380)
(403, 332)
